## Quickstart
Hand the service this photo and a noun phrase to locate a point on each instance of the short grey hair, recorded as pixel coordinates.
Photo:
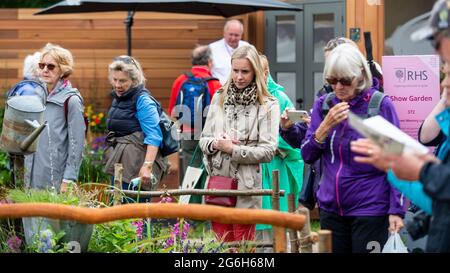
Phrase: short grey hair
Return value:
(130, 66)
(347, 61)
(201, 55)
(231, 22)
(31, 66)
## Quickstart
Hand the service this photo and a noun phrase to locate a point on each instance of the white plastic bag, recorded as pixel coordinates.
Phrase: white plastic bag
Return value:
(394, 244)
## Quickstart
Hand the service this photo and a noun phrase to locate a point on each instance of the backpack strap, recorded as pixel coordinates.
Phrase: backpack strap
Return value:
(326, 103)
(375, 103)
(368, 45)
(66, 106)
(189, 74)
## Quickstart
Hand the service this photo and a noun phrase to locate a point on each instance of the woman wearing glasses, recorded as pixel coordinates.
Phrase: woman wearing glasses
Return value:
(134, 136)
(58, 157)
(355, 200)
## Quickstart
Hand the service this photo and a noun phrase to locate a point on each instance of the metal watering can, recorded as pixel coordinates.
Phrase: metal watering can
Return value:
(22, 124)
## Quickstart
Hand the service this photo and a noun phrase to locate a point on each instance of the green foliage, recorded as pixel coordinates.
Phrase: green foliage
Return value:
(91, 169)
(5, 172)
(315, 225)
(43, 196)
(121, 237)
(6, 231)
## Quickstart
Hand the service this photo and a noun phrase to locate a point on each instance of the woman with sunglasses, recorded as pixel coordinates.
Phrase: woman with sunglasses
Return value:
(58, 157)
(134, 136)
(355, 200)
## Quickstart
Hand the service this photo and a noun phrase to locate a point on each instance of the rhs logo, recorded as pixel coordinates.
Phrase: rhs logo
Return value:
(400, 74)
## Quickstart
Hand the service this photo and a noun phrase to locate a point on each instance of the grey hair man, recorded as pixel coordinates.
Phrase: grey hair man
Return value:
(224, 48)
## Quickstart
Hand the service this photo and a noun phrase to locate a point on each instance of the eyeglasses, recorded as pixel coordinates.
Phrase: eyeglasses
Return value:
(50, 67)
(127, 60)
(343, 81)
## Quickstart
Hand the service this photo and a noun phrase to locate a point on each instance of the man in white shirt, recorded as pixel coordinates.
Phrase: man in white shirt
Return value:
(223, 49)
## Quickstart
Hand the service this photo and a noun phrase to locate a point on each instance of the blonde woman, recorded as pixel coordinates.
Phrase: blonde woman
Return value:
(58, 157)
(240, 133)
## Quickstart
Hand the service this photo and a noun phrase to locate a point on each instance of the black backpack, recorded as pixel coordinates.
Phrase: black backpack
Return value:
(168, 130)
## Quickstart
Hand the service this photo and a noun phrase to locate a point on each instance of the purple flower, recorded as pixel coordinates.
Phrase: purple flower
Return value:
(168, 243)
(139, 228)
(99, 143)
(200, 248)
(14, 244)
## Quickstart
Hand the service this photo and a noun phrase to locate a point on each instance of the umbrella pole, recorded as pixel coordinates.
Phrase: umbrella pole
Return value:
(129, 23)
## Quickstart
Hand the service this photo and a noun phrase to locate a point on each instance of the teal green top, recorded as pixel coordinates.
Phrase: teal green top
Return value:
(414, 190)
(288, 161)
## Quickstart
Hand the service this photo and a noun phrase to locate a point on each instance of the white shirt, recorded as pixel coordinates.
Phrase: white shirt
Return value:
(221, 56)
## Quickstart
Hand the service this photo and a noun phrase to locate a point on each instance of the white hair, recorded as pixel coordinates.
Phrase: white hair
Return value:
(30, 66)
(347, 61)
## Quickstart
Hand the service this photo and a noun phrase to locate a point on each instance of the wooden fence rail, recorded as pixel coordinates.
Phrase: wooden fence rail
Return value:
(145, 194)
(165, 210)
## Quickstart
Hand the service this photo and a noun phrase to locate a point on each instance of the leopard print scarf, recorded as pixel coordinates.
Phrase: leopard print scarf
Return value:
(245, 97)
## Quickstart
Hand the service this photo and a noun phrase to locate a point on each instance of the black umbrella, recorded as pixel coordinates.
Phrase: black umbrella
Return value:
(225, 8)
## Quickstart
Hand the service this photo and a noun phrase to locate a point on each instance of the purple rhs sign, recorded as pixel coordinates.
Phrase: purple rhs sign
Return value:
(412, 83)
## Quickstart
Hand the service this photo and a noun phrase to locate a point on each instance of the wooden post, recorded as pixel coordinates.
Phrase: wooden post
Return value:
(18, 171)
(118, 171)
(305, 233)
(292, 233)
(325, 242)
(279, 233)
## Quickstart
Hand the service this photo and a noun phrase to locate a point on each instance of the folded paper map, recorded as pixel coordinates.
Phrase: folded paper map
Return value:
(386, 135)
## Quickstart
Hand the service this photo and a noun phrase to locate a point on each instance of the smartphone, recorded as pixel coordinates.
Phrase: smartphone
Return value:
(297, 115)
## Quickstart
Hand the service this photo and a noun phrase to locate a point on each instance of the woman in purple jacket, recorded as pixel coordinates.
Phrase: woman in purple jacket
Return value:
(355, 200)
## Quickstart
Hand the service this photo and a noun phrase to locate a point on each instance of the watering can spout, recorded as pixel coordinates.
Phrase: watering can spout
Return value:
(26, 143)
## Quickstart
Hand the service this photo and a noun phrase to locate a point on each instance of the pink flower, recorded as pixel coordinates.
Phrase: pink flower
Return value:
(166, 200)
(139, 228)
(14, 244)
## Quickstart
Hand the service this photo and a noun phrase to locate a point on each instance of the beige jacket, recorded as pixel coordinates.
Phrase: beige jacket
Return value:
(239, 122)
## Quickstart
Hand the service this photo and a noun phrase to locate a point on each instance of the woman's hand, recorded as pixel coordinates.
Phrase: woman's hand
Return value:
(285, 122)
(336, 115)
(224, 143)
(395, 223)
(145, 173)
(373, 154)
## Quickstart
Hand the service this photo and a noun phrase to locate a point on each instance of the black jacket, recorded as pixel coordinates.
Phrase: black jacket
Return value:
(436, 182)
